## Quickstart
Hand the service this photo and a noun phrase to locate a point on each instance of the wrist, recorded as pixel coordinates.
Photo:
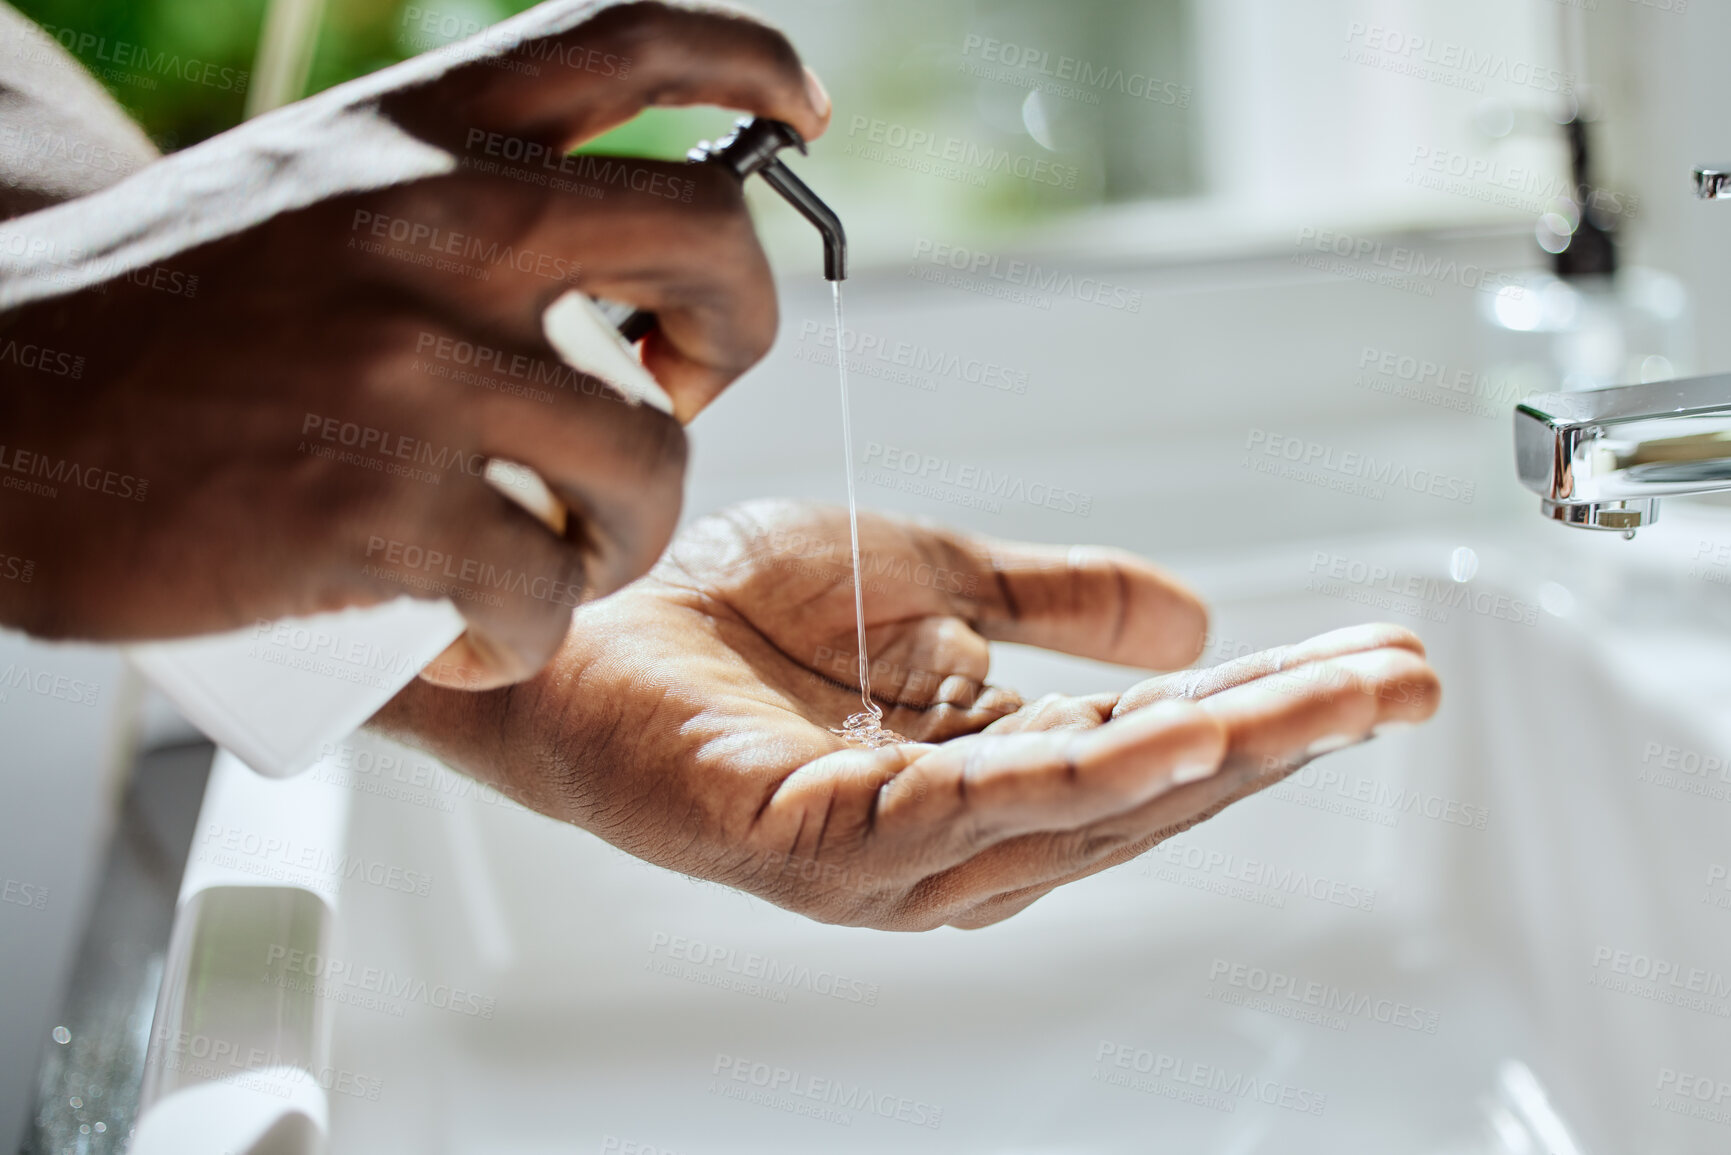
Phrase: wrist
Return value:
(508, 738)
(454, 726)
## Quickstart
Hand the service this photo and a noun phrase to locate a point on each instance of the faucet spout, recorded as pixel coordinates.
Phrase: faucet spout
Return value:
(1713, 183)
(1602, 458)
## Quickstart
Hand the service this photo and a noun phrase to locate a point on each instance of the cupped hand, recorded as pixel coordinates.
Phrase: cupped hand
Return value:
(689, 718)
(265, 376)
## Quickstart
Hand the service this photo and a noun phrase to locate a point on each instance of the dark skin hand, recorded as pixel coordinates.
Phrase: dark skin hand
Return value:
(344, 251)
(687, 718)
(305, 426)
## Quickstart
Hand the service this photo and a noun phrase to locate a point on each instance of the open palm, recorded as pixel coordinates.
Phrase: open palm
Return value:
(688, 718)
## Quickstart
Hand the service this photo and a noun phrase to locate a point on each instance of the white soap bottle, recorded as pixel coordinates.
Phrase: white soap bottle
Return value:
(278, 694)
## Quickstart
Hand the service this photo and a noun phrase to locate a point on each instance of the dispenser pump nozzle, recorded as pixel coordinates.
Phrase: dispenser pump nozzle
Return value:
(753, 147)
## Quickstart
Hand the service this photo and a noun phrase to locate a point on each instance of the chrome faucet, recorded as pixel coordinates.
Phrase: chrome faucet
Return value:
(1713, 184)
(1602, 458)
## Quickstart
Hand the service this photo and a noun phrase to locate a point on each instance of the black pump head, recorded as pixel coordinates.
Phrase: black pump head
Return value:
(752, 147)
(753, 143)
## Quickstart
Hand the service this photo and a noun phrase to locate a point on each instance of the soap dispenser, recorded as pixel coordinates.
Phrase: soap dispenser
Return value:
(1587, 320)
(280, 694)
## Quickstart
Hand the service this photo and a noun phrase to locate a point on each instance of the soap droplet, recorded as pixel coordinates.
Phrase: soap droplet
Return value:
(76, 1102)
(62, 1035)
(867, 729)
(100, 1128)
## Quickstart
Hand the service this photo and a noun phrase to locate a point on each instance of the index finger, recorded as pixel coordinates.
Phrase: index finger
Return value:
(1199, 684)
(1275, 723)
(566, 71)
(955, 800)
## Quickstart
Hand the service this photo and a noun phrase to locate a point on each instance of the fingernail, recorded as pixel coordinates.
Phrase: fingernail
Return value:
(1328, 745)
(815, 92)
(1193, 772)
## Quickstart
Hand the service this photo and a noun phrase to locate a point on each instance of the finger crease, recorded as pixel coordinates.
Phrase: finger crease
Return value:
(1122, 617)
(1005, 594)
(823, 827)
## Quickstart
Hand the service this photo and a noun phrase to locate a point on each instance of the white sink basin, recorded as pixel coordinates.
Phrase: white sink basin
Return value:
(1498, 933)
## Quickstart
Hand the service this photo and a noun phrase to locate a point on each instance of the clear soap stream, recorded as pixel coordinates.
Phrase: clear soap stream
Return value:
(865, 728)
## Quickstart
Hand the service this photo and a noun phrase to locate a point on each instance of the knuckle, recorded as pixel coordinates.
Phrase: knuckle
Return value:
(654, 460)
(974, 834)
(663, 455)
(756, 333)
(1093, 847)
(1089, 846)
(647, 17)
(645, 26)
(668, 450)
(359, 503)
(981, 916)
(767, 41)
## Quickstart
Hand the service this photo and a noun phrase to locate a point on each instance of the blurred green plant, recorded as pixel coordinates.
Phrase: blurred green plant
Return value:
(911, 69)
(180, 67)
